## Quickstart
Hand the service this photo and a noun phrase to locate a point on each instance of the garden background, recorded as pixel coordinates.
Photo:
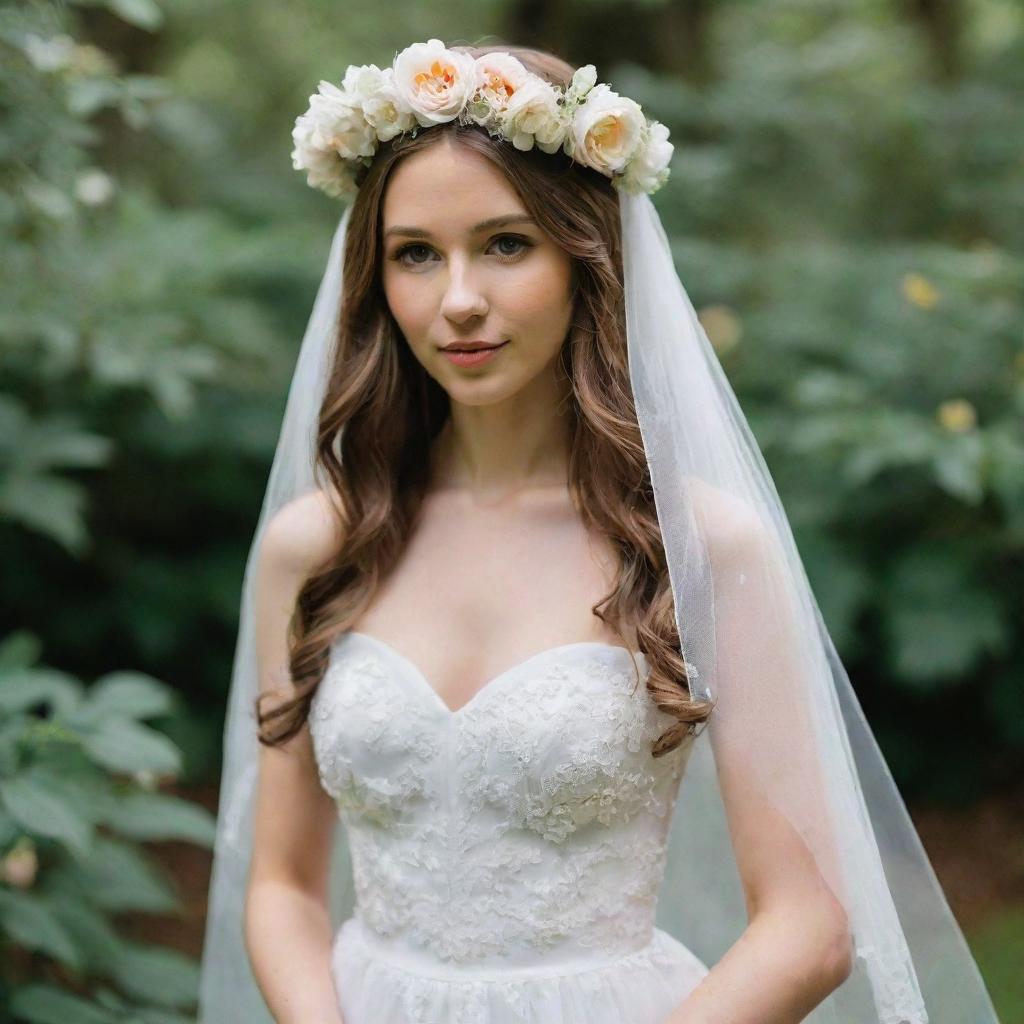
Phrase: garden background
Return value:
(846, 208)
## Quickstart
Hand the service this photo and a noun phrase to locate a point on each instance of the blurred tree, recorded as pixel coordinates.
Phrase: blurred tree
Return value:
(671, 37)
(942, 22)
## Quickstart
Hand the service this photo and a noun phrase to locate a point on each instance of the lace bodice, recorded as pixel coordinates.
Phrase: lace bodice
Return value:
(529, 825)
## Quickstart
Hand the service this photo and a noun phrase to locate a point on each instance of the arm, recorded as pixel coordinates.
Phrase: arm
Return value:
(793, 952)
(796, 947)
(287, 920)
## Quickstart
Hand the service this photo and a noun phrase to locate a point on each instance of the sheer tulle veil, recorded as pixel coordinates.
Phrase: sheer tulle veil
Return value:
(787, 723)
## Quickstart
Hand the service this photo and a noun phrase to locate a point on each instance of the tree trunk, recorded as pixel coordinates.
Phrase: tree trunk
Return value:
(942, 24)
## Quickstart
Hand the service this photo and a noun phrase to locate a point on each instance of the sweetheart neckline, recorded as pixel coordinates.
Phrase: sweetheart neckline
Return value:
(512, 670)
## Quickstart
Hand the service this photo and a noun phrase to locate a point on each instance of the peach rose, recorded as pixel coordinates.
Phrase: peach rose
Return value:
(607, 130)
(433, 82)
(499, 77)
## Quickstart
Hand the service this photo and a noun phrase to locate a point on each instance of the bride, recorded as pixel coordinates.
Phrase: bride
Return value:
(530, 493)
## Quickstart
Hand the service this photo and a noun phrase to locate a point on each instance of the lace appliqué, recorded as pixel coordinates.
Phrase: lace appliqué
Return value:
(900, 1002)
(528, 822)
(370, 745)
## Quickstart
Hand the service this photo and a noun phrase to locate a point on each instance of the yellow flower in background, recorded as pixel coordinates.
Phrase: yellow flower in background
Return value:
(1019, 361)
(721, 325)
(919, 291)
(19, 867)
(957, 415)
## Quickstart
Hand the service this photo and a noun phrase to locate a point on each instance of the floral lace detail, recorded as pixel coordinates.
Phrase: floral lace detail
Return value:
(526, 825)
(901, 1001)
(604, 726)
(370, 746)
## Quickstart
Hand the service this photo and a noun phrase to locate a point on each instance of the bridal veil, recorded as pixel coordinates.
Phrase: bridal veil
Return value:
(787, 723)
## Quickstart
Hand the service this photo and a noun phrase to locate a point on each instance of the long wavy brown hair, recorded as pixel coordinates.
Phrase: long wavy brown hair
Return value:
(382, 411)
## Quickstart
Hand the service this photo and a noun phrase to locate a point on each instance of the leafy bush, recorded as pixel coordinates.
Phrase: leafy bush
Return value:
(137, 339)
(79, 768)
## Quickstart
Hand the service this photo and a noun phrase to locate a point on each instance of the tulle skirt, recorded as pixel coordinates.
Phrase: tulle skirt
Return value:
(377, 985)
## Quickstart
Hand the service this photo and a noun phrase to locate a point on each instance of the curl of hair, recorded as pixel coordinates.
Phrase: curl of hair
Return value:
(382, 411)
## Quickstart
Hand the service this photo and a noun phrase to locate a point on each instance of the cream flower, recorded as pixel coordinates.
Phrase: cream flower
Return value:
(606, 130)
(325, 168)
(499, 77)
(374, 91)
(435, 83)
(648, 170)
(583, 80)
(336, 121)
(429, 84)
(361, 81)
(534, 115)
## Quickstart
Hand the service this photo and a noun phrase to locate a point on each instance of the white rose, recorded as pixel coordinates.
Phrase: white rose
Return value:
(433, 82)
(325, 169)
(533, 115)
(499, 77)
(374, 91)
(648, 170)
(361, 81)
(583, 80)
(336, 122)
(606, 130)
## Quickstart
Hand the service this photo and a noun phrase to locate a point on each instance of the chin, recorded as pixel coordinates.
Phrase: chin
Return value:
(487, 389)
(479, 395)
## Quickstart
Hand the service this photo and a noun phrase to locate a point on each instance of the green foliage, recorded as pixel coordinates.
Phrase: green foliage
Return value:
(136, 343)
(82, 332)
(996, 947)
(73, 805)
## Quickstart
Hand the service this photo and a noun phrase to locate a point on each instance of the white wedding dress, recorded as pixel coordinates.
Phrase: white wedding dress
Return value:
(506, 856)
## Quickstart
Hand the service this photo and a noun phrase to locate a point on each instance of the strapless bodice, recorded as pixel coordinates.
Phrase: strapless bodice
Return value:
(523, 832)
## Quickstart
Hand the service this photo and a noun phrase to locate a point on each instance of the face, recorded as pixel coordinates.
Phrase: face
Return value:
(464, 262)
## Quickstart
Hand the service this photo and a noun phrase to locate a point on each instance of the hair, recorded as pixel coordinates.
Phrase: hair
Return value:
(382, 411)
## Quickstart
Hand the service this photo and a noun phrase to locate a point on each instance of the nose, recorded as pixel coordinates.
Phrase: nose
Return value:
(463, 298)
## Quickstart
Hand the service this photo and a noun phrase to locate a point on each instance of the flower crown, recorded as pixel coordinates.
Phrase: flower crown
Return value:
(429, 84)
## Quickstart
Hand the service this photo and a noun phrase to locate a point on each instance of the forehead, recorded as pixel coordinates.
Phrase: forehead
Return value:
(446, 187)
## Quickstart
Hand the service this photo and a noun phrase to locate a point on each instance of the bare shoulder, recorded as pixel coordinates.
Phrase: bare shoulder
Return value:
(302, 534)
(730, 524)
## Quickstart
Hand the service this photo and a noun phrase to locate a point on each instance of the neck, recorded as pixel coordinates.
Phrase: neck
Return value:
(490, 452)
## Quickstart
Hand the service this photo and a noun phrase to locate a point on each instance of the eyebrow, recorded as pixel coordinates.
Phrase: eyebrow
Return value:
(493, 222)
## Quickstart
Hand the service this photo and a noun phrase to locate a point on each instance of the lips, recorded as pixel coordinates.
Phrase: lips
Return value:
(471, 346)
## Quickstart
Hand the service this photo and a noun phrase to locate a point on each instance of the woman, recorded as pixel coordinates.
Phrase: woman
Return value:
(468, 623)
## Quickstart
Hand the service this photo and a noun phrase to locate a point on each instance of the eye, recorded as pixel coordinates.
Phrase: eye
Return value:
(512, 248)
(520, 244)
(404, 253)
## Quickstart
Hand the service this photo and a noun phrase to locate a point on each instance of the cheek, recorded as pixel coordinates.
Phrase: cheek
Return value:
(412, 304)
(541, 297)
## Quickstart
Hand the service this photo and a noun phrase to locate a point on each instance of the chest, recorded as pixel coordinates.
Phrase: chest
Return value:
(557, 742)
(476, 591)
